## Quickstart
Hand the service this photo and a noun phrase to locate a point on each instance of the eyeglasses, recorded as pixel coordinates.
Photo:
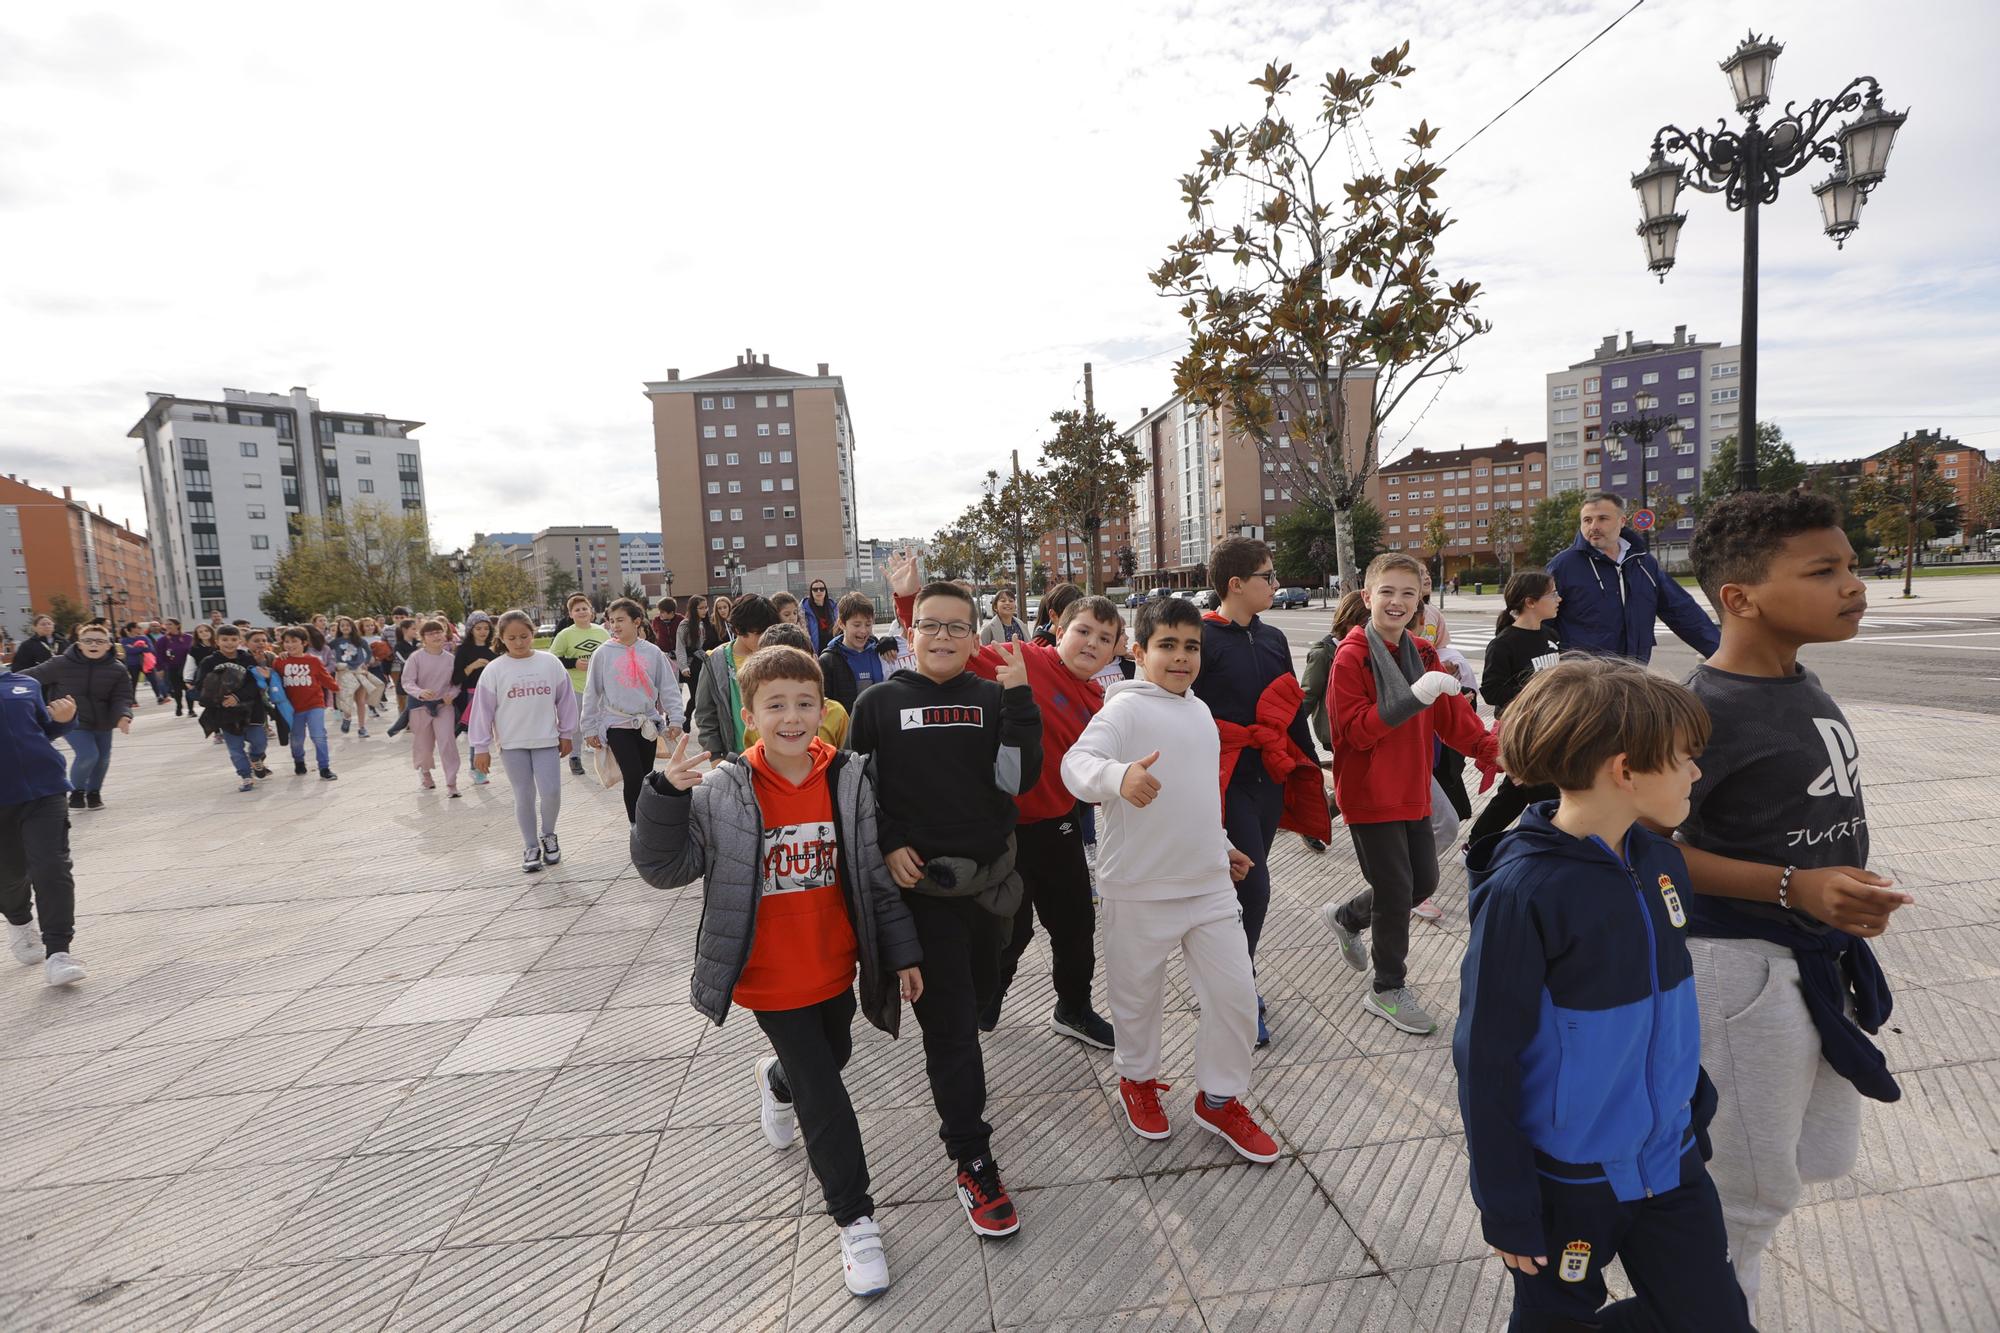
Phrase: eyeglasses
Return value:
(94, 643)
(950, 629)
(1269, 576)
(817, 587)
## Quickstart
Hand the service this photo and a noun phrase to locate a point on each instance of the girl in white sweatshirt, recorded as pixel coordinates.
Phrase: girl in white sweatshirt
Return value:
(1165, 872)
(527, 708)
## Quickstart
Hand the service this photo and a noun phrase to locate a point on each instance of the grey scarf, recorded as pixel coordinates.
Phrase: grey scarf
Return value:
(1394, 673)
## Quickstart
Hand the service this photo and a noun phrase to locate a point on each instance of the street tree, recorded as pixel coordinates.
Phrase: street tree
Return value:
(500, 584)
(1553, 526)
(67, 612)
(1503, 534)
(1302, 542)
(1010, 516)
(557, 585)
(1436, 538)
(1090, 469)
(1778, 468)
(1328, 282)
(1982, 511)
(1907, 501)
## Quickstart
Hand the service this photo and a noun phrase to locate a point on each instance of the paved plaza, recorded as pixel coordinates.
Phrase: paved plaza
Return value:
(340, 1065)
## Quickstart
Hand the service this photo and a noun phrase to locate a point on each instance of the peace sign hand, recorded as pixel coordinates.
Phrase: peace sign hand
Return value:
(1013, 670)
(683, 770)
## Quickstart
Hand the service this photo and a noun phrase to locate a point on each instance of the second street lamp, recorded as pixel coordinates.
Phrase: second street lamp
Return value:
(1745, 166)
(1640, 430)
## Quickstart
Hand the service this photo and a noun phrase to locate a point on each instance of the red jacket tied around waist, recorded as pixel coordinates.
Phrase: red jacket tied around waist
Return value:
(1290, 767)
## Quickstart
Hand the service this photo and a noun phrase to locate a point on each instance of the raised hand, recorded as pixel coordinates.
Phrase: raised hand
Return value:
(1139, 786)
(1014, 668)
(904, 575)
(1431, 684)
(683, 770)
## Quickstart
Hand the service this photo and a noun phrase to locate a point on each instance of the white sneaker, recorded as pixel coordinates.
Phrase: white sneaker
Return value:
(861, 1259)
(551, 849)
(26, 942)
(531, 860)
(64, 968)
(781, 1122)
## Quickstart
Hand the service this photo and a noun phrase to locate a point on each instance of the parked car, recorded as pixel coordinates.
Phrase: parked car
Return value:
(1290, 598)
(1207, 599)
(1137, 599)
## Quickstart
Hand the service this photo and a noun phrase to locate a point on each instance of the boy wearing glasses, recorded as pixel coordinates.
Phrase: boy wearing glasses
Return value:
(948, 753)
(1270, 776)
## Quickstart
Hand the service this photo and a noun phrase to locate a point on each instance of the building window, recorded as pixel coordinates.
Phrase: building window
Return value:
(1619, 408)
(763, 400)
(363, 458)
(711, 460)
(1593, 410)
(1683, 400)
(764, 456)
(736, 543)
(259, 542)
(785, 485)
(1563, 415)
(708, 404)
(765, 484)
(791, 539)
(784, 428)
(194, 449)
(770, 542)
(729, 432)
(1650, 377)
(715, 543)
(406, 462)
(763, 428)
(1618, 382)
(732, 459)
(770, 512)
(715, 516)
(366, 486)
(784, 455)
(1951, 474)
(254, 511)
(728, 403)
(249, 448)
(708, 432)
(1563, 393)
(1724, 395)
(411, 490)
(253, 480)
(715, 488)
(1684, 373)
(1684, 474)
(736, 488)
(736, 515)
(1722, 370)
(791, 511)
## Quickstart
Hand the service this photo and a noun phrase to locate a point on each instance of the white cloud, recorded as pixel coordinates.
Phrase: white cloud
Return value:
(502, 220)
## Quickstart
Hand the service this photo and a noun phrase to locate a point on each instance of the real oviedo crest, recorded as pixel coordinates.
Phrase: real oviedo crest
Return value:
(1675, 912)
(1575, 1261)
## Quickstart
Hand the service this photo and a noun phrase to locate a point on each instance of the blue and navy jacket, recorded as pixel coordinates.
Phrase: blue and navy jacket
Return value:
(1609, 606)
(1579, 1045)
(1238, 663)
(30, 765)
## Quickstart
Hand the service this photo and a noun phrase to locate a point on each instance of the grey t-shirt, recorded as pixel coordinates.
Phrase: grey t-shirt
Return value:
(1780, 779)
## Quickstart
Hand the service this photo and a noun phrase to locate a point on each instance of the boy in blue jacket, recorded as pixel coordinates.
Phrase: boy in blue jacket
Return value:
(1579, 1043)
(34, 829)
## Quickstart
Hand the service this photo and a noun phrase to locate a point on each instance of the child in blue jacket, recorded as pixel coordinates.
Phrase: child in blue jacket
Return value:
(34, 829)
(1579, 1043)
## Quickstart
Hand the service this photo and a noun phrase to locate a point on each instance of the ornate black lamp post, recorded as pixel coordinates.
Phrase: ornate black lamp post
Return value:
(733, 564)
(461, 568)
(1744, 167)
(1639, 430)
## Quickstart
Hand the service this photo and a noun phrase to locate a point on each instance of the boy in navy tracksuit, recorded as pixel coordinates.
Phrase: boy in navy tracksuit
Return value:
(1270, 775)
(34, 829)
(1579, 1042)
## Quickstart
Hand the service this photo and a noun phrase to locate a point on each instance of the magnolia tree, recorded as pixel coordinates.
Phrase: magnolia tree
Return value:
(1326, 279)
(1090, 467)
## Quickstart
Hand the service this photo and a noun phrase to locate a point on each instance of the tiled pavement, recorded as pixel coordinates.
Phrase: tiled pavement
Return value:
(340, 1065)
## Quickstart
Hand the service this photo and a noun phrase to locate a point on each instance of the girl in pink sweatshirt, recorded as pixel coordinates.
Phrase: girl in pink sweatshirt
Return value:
(433, 723)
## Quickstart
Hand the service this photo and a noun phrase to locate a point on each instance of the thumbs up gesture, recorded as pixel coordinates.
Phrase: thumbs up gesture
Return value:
(1139, 786)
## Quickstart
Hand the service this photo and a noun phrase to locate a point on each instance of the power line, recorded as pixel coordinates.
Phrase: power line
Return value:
(1539, 82)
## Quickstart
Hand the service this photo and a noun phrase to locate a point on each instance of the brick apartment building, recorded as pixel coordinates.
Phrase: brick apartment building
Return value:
(1063, 554)
(755, 462)
(1961, 465)
(1467, 487)
(58, 545)
(1206, 479)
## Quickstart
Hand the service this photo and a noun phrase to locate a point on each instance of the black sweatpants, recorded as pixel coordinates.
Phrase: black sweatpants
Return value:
(1399, 862)
(34, 855)
(1506, 806)
(1252, 805)
(635, 755)
(1673, 1248)
(812, 1045)
(961, 942)
(1055, 878)
(1449, 770)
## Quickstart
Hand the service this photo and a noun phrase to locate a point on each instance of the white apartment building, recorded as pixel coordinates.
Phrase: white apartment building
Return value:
(640, 553)
(224, 478)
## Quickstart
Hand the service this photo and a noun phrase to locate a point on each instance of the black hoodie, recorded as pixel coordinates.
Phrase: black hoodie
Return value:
(948, 760)
(102, 687)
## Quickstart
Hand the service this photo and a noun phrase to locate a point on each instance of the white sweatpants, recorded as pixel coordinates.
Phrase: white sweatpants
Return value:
(1139, 936)
(1785, 1118)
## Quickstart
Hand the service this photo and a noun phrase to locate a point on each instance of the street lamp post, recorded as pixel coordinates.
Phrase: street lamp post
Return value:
(462, 569)
(667, 576)
(734, 566)
(1745, 166)
(1639, 430)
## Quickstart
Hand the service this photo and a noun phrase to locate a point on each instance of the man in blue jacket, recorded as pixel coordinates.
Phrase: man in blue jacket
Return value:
(34, 828)
(1612, 589)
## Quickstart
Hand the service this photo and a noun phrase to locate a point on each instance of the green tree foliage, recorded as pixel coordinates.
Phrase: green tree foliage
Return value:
(1504, 530)
(557, 585)
(1322, 277)
(1090, 468)
(500, 584)
(1554, 526)
(1778, 468)
(1907, 501)
(1009, 519)
(360, 560)
(1302, 541)
(67, 612)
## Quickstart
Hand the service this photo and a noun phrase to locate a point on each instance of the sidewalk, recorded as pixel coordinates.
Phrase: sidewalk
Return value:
(340, 1065)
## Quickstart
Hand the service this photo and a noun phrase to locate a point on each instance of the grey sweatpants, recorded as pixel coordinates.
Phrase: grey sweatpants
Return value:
(534, 774)
(1207, 928)
(1785, 1118)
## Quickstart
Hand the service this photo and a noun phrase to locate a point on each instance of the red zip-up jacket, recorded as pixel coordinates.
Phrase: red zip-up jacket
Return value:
(1383, 773)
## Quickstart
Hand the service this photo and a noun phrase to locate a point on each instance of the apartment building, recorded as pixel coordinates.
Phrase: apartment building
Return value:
(590, 554)
(1961, 465)
(1206, 479)
(1467, 488)
(1696, 382)
(755, 462)
(227, 479)
(1064, 553)
(56, 545)
(639, 554)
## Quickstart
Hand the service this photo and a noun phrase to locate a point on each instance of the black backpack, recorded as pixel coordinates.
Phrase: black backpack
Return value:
(224, 679)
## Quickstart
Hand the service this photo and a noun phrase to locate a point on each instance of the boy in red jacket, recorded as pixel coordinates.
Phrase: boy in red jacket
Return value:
(305, 680)
(1055, 874)
(1389, 697)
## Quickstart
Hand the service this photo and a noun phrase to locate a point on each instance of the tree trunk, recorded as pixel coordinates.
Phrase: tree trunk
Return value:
(1093, 572)
(1343, 545)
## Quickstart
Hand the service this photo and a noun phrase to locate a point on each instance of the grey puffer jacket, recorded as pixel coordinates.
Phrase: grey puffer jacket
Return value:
(716, 830)
(715, 723)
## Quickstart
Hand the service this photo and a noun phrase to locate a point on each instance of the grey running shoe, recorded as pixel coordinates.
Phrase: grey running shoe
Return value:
(1351, 947)
(1402, 1008)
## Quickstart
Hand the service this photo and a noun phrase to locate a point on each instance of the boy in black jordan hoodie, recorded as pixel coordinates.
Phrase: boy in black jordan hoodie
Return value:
(948, 753)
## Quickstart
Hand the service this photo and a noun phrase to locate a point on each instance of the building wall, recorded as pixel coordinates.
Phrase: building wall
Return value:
(677, 458)
(66, 548)
(1467, 486)
(17, 605)
(589, 553)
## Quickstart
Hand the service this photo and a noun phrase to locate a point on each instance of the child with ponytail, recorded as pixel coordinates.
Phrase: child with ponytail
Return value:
(1524, 642)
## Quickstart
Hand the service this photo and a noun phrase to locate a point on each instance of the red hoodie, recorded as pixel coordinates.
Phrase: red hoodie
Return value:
(803, 950)
(1383, 773)
(1067, 705)
(305, 679)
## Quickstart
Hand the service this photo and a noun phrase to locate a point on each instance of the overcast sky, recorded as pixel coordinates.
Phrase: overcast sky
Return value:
(502, 219)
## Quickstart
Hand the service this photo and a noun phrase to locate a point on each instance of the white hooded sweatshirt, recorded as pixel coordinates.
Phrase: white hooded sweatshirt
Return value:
(1175, 847)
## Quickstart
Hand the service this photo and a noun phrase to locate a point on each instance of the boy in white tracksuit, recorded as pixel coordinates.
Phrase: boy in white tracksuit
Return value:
(1152, 758)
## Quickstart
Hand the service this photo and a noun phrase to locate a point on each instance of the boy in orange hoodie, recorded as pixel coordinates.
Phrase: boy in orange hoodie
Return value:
(795, 899)
(1389, 697)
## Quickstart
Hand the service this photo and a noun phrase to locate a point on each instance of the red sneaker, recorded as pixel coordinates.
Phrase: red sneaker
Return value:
(1142, 1107)
(1232, 1121)
(985, 1199)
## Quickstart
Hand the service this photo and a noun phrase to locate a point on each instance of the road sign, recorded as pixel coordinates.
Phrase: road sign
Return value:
(1642, 520)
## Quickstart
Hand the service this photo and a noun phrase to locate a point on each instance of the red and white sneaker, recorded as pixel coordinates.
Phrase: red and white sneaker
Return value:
(1428, 910)
(1232, 1121)
(1142, 1107)
(985, 1199)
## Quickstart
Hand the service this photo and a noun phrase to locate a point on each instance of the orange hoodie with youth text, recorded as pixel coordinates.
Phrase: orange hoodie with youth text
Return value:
(803, 950)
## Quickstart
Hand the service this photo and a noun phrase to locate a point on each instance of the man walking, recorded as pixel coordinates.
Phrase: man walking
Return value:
(1612, 590)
